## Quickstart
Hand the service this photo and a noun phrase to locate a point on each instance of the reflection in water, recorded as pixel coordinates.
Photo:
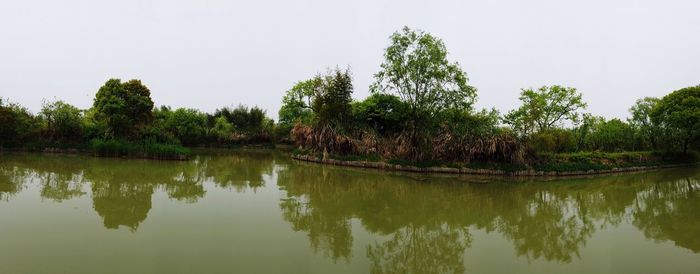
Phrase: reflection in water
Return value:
(122, 190)
(421, 226)
(429, 223)
(669, 211)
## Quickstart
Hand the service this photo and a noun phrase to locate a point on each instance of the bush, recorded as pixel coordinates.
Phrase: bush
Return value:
(553, 140)
(381, 112)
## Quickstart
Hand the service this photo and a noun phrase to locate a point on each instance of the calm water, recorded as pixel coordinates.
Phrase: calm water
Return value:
(259, 212)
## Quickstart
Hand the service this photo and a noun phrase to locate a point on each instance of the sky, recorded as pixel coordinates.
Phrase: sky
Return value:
(209, 54)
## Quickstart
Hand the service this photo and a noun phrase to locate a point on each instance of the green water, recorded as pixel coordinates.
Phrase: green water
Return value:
(259, 212)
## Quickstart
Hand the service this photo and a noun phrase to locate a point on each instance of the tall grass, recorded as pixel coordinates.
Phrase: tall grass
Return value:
(144, 149)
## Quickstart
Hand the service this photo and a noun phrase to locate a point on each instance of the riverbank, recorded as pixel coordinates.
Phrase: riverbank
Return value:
(551, 165)
(111, 149)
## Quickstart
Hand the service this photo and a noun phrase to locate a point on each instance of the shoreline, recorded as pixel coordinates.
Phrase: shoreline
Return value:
(77, 151)
(482, 171)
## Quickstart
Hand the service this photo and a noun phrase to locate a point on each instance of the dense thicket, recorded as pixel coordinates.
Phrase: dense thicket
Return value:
(123, 119)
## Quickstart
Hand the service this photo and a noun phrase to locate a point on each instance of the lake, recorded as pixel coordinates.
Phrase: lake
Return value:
(248, 211)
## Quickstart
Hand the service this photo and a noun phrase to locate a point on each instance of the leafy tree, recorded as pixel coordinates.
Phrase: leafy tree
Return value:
(125, 107)
(583, 131)
(416, 68)
(17, 124)
(158, 130)
(222, 129)
(641, 120)
(544, 108)
(611, 135)
(188, 125)
(296, 103)
(680, 111)
(63, 121)
(332, 100)
(384, 113)
(250, 122)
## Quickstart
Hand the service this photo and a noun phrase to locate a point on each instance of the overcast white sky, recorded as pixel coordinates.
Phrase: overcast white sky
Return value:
(209, 54)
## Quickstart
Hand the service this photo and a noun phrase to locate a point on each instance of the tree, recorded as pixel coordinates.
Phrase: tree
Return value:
(611, 135)
(641, 120)
(544, 108)
(222, 129)
(332, 100)
(680, 110)
(63, 121)
(384, 113)
(124, 107)
(17, 124)
(416, 68)
(296, 103)
(188, 125)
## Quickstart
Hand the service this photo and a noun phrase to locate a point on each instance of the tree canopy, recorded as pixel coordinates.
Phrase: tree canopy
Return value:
(296, 103)
(63, 121)
(680, 110)
(332, 100)
(641, 120)
(544, 108)
(417, 70)
(124, 107)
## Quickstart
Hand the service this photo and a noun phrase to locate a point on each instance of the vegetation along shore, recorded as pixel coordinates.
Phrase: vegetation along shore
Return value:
(420, 115)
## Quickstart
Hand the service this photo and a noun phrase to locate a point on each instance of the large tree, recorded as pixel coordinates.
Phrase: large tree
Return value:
(680, 111)
(417, 70)
(545, 108)
(124, 107)
(641, 120)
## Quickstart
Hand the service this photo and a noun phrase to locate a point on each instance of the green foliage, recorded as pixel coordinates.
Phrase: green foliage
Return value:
(555, 140)
(222, 129)
(125, 108)
(545, 108)
(679, 113)
(17, 124)
(188, 125)
(246, 120)
(64, 122)
(332, 100)
(645, 128)
(416, 69)
(584, 161)
(296, 103)
(467, 123)
(612, 135)
(384, 113)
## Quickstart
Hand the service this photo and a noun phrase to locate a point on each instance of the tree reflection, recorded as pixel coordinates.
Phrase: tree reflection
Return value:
(669, 211)
(421, 249)
(122, 190)
(428, 222)
(240, 171)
